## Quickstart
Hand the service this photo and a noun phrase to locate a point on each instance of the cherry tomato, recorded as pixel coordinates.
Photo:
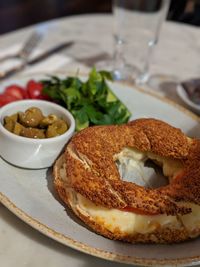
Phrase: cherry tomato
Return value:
(6, 98)
(16, 91)
(34, 89)
(44, 97)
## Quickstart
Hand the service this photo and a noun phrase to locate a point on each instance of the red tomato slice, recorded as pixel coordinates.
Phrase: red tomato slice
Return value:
(15, 91)
(5, 99)
(137, 211)
(34, 89)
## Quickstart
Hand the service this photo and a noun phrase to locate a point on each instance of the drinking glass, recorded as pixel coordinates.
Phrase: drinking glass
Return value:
(137, 25)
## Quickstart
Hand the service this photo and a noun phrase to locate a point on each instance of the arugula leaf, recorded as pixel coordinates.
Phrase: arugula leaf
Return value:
(91, 102)
(81, 119)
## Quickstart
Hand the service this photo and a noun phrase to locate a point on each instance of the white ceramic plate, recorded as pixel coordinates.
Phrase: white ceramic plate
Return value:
(30, 195)
(184, 97)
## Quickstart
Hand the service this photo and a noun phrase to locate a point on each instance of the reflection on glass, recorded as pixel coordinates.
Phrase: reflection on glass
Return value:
(137, 26)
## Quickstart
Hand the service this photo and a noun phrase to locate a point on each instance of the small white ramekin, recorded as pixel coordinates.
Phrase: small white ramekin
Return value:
(28, 152)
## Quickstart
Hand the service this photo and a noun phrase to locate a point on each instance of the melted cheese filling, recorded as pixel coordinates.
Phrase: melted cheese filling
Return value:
(191, 221)
(126, 222)
(131, 223)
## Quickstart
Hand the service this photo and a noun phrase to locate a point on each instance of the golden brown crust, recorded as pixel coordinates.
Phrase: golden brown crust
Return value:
(92, 172)
(165, 139)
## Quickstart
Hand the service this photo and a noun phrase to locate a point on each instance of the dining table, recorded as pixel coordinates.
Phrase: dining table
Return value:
(175, 58)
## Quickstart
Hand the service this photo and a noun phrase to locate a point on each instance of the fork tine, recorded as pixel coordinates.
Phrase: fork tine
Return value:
(30, 44)
(27, 48)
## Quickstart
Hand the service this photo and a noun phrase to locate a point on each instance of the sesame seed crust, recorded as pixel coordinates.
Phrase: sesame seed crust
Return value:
(92, 172)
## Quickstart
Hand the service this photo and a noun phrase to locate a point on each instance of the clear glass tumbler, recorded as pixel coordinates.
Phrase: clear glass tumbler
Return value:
(137, 25)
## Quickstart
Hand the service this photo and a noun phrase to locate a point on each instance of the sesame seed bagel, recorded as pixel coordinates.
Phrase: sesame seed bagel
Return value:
(87, 179)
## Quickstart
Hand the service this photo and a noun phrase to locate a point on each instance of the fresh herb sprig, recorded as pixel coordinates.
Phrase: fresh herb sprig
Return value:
(91, 102)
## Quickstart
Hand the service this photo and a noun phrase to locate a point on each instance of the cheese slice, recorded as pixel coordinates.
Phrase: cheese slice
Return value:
(126, 222)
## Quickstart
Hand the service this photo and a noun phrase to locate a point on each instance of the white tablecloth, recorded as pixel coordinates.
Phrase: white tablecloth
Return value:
(176, 56)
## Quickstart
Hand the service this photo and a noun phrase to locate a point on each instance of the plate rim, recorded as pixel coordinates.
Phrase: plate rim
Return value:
(111, 256)
(61, 238)
(183, 96)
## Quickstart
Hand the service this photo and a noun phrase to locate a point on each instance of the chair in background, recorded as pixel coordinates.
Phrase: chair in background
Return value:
(15, 14)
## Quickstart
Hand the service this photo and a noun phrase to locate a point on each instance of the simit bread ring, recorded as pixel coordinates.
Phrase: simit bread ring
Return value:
(88, 181)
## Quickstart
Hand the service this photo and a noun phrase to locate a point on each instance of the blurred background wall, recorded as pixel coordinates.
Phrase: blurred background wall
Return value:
(15, 14)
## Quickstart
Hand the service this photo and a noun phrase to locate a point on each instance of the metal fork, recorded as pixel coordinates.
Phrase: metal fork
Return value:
(27, 48)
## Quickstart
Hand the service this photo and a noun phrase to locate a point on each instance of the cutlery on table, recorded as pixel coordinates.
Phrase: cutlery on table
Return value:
(14, 70)
(27, 48)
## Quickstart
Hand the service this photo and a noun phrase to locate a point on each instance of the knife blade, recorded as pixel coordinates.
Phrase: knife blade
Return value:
(50, 52)
(43, 56)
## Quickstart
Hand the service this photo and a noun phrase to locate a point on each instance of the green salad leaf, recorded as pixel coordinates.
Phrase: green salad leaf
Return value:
(91, 102)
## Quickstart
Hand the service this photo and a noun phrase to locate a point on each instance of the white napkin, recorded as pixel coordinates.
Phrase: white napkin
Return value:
(51, 63)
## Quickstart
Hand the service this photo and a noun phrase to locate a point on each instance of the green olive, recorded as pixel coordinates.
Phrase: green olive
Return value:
(9, 122)
(33, 124)
(18, 128)
(33, 133)
(50, 119)
(13, 117)
(31, 117)
(57, 128)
